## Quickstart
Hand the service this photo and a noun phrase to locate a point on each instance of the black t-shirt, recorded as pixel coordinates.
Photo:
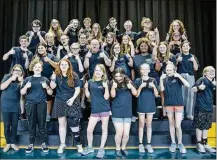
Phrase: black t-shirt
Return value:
(73, 36)
(83, 51)
(98, 102)
(18, 58)
(204, 98)
(146, 99)
(35, 41)
(63, 91)
(36, 93)
(173, 92)
(186, 66)
(121, 104)
(10, 97)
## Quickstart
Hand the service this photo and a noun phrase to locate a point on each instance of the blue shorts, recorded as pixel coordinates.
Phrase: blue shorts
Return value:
(121, 120)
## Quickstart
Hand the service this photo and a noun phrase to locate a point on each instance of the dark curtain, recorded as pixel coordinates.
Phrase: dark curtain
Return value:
(199, 17)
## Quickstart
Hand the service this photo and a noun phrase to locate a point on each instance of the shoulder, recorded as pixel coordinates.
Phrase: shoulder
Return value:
(75, 75)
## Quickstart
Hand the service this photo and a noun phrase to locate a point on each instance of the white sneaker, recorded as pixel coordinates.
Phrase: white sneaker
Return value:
(133, 119)
(182, 148)
(6, 148)
(15, 147)
(200, 148)
(80, 149)
(141, 148)
(61, 148)
(149, 148)
(208, 148)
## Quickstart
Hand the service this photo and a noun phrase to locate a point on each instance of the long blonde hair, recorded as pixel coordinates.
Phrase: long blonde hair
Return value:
(125, 49)
(104, 76)
(57, 32)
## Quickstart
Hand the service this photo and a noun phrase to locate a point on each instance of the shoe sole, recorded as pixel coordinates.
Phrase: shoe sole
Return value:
(87, 153)
(201, 151)
(28, 152)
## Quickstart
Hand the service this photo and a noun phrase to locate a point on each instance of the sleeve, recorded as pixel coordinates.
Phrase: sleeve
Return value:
(137, 83)
(47, 81)
(196, 60)
(27, 33)
(24, 82)
(173, 60)
(30, 55)
(126, 59)
(43, 33)
(198, 82)
(76, 81)
(5, 78)
(54, 58)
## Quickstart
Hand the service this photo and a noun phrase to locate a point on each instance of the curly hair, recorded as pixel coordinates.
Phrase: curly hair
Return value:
(35, 61)
(181, 30)
(140, 41)
(70, 74)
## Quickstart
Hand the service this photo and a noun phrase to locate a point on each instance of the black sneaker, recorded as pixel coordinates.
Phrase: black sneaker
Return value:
(44, 148)
(30, 148)
(125, 152)
(23, 117)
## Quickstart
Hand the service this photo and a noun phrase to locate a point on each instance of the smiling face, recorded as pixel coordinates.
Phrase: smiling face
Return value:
(152, 36)
(163, 49)
(209, 72)
(143, 47)
(83, 39)
(170, 70)
(144, 69)
(36, 27)
(185, 47)
(95, 28)
(117, 49)
(49, 38)
(64, 66)
(24, 42)
(113, 23)
(119, 77)
(176, 26)
(41, 49)
(37, 69)
(98, 73)
(147, 23)
(74, 24)
(87, 24)
(176, 36)
(125, 40)
(128, 26)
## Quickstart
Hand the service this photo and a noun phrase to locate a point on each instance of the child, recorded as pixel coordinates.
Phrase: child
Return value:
(204, 88)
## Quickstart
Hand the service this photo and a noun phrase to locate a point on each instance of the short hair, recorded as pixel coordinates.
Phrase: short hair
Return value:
(87, 19)
(128, 21)
(24, 37)
(111, 19)
(37, 22)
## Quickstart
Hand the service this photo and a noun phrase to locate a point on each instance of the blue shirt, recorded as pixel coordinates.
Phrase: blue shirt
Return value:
(10, 97)
(173, 92)
(36, 94)
(186, 66)
(146, 100)
(122, 62)
(204, 98)
(75, 65)
(63, 91)
(121, 104)
(98, 102)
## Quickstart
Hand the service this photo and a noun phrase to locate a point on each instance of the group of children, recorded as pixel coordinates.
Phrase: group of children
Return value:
(54, 74)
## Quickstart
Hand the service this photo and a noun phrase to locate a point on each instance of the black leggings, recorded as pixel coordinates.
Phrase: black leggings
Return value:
(10, 126)
(36, 114)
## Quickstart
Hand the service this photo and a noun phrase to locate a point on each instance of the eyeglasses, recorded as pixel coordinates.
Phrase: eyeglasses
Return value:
(36, 26)
(17, 70)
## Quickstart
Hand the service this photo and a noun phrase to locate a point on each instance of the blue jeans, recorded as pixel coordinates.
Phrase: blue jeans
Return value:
(10, 126)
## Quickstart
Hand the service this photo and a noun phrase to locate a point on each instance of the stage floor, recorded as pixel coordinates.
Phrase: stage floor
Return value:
(110, 154)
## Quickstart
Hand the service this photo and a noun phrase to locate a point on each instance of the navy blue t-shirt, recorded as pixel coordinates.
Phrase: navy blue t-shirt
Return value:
(204, 98)
(122, 62)
(63, 91)
(98, 102)
(175, 49)
(47, 67)
(17, 58)
(164, 64)
(53, 48)
(75, 66)
(10, 97)
(121, 104)
(107, 48)
(146, 99)
(63, 53)
(94, 60)
(35, 41)
(186, 66)
(132, 35)
(173, 92)
(141, 34)
(36, 94)
(140, 59)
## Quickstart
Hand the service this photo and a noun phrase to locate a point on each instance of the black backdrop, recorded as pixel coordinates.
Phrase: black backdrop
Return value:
(199, 17)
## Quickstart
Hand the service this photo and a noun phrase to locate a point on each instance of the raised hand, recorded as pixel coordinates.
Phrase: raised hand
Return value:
(28, 84)
(179, 59)
(70, 102)
(151, 84)
(114, 85)
(44, 84)
(202, 86)
(13, 77)
(214, 82)
(105, 84)
(129, 85)
(144, 84)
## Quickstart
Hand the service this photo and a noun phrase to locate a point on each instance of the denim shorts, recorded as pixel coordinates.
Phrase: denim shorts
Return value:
(121, 120)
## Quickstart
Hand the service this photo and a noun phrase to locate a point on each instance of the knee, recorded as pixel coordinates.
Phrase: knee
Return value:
(148, 125)
(62, 125)
(125, 136)
(141, 124)
(178, 126)
(119, 135)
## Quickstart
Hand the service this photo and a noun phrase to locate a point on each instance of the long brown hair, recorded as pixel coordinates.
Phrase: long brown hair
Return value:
(168, 54)
(57, 32)
(125, 81)
(99, 34)
(125, 49)
(112, 50)
(70, 74)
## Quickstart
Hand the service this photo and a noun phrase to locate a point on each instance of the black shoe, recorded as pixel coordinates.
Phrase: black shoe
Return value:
(44, 148)
(23, 117)
(30, 148)
(124, 152)
(118, 153)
